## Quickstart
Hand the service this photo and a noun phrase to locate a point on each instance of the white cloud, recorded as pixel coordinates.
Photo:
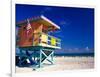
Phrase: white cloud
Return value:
(87, 48)
(46, 9)
(76, 49)
(63, 23)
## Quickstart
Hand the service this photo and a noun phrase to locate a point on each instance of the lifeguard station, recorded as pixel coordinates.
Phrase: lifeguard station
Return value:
(34, 41)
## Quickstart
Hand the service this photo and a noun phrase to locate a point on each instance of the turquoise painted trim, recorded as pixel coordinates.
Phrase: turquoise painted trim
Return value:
(40, 58)
(40, 54)
(52, 57)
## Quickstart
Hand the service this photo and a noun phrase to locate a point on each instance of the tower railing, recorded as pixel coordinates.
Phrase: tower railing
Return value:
(50, 41)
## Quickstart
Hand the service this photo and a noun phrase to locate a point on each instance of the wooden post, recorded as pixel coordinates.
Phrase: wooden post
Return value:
(20, 57)
(34, 55)
(52, 55)
(40, 58)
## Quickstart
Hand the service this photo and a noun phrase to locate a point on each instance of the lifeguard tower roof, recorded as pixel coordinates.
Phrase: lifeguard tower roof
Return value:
(41, 19)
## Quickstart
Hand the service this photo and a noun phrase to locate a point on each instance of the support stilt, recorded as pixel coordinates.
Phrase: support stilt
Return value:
(37, 57)
(40, 58)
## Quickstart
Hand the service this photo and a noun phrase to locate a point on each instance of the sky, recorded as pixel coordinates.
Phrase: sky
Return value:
(77, 24)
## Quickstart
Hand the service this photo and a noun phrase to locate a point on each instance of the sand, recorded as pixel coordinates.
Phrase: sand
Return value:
(62, 63)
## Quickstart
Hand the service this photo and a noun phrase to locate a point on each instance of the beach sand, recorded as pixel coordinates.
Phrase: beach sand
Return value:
(62, 63)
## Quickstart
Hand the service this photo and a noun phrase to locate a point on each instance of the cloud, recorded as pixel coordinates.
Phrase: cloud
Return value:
(87, 49)
(76, 50)
(70, 49)
(65, 23)
(46, 9)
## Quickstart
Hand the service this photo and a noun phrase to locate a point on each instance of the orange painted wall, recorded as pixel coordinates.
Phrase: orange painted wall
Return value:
(32, 38)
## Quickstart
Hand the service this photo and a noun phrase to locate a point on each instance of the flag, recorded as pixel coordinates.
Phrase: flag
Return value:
(28, 26)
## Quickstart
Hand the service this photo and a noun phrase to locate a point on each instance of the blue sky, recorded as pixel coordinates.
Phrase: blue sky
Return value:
(77, 24)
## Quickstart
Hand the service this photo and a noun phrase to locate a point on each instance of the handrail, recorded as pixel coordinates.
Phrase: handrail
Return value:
(58, 43)
(52, 36)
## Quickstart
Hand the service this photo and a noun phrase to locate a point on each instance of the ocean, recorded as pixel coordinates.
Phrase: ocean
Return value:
(74, 54)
